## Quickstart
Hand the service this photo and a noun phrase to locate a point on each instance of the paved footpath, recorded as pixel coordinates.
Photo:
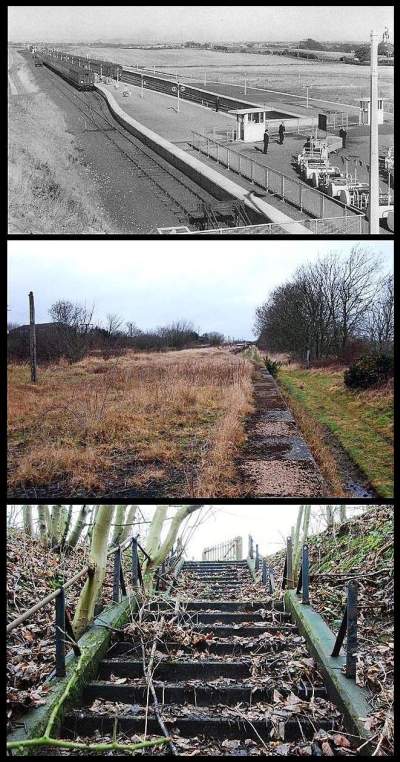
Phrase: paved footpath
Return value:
(276, 460)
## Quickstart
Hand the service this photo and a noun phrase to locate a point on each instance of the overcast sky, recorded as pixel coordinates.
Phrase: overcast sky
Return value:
(145, 23)
(216, 285)
(268, 524)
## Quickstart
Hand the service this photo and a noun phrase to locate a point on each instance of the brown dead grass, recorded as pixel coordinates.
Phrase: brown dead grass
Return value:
(182, 411)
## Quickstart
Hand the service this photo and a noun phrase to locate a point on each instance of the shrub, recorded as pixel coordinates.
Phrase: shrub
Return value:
(272, 366)
(369, 370)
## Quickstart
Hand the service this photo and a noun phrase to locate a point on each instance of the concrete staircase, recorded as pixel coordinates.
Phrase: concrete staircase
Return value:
(208, 685)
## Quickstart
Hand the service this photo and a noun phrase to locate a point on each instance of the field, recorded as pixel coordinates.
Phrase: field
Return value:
(165, 424)
(334, 81)
(361, 422)
(47, 193)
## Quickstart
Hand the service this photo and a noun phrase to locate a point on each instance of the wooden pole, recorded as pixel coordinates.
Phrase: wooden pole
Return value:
(32, 336)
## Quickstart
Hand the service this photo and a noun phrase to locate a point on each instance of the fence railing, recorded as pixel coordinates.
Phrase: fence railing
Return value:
(63, 627)
(348, 626)
(288, 189)
(232, 550)
(348, 225)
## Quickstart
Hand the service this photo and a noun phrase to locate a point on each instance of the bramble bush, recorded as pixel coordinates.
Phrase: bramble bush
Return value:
(272, 366)
(369, 370)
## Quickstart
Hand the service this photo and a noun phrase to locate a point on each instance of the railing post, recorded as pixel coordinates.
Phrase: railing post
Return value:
(135, 561)
(351, 650)
(301, 197)
(305, 576)
(283, 187)
(257, 561)
(251, 547)
(117, 575)
(60, 634)
(264, 572)
(289, 568)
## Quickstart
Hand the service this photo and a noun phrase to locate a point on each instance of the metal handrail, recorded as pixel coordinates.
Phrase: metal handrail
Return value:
(348, 626)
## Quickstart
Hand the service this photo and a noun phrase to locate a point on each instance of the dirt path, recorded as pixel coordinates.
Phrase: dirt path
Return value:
(276, 460)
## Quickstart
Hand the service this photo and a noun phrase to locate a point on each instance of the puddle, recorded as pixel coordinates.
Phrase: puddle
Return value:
(358, 490)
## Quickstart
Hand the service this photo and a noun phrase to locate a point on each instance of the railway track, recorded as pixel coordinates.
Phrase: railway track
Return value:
(170, 187)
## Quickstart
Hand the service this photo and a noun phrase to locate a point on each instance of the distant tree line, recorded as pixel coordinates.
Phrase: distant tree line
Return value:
(72, 334)
(337, 307)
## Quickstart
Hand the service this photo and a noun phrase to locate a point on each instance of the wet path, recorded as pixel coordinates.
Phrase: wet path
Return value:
(276, 459)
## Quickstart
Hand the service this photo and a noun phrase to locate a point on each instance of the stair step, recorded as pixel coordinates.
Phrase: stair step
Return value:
(205, 605)
(198, 724)
(176, 670)
(199, 695)
(227, 617)
(225, 631)
(213, 647)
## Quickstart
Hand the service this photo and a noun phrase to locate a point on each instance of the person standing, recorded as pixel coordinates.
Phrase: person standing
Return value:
(266, 140)
(281, 133)
(344, 138)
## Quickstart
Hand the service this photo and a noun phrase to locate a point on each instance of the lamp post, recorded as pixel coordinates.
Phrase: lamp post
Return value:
(373, 140)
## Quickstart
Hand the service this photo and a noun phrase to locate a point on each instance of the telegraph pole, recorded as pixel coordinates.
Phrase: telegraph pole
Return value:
(32, 337)
(373, 140)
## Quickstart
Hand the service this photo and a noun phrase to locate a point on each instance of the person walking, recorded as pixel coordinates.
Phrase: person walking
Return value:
(266, 140)
(281, 133)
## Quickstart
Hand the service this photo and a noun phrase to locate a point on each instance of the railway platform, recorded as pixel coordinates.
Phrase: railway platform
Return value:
(158, 112)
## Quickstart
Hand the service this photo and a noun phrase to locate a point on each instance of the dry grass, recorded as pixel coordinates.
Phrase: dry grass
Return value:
(147, 415)
(48, 189)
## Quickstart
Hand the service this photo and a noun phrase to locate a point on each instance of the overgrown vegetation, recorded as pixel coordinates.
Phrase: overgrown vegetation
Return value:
(334, 308)
(272, 366)
(361, 422)
(369, 370)
(361, 548)
(172, 421)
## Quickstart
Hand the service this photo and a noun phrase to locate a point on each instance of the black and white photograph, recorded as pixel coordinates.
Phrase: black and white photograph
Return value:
(201, 120)
(199, 428)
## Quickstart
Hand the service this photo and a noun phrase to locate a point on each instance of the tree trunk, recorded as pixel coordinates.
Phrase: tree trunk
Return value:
(297, 543)
(65, 529)
(329, 516)
(306, 523)
(44, 519)
(128, 528)
(119, 523)
(78, 528)
(27, 516)
(98, 559)
(157, 551)
(54, 525)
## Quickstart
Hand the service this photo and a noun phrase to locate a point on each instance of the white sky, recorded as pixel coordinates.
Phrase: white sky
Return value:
(217, 285)
(145, 23)
(268, 524)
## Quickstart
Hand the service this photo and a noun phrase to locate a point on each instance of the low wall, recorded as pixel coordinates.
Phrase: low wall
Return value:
(218, 185)
(94, 644)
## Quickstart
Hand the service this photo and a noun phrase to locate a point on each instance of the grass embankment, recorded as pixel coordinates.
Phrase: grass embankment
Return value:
(362, 549)
(173, 419)
(362, 422)
(48, 190)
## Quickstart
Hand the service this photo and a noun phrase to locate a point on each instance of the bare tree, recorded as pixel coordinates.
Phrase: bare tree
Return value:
(73, 324)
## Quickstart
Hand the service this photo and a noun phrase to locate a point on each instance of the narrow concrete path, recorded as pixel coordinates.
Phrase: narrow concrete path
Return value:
(276, 460)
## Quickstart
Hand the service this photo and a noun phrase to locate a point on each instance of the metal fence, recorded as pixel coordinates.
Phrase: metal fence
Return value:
(292, 191)
(232, 550)
(348, 627)
(347, 225)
